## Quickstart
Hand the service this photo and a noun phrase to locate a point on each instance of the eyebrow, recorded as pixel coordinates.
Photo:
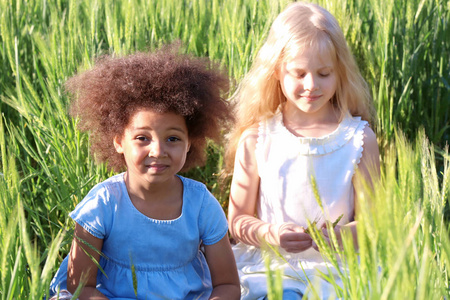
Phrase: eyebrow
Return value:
(149, 128)
(296, 66)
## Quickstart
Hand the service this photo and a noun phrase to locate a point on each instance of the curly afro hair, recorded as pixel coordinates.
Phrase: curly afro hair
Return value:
(106, 97)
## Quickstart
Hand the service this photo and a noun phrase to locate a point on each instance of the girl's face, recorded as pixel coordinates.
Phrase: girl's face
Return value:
(154, 146)
(308, 81)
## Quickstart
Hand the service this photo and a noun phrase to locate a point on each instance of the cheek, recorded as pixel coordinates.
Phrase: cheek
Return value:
(138, 153)
(184, 154)
(289, 86)
(332, 85)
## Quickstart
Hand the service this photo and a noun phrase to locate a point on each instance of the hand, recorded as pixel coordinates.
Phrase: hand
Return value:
(327, 236)
(293, 238)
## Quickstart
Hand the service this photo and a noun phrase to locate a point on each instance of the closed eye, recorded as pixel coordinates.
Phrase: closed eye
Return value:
(297, 74)
(325, 72)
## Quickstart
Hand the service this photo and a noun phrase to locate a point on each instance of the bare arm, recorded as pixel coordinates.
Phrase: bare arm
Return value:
(224, 275)
(369, 166)
(82, 267)
(244, 226)
(367, 174)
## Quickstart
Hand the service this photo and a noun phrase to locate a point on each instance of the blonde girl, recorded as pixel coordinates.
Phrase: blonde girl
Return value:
(303, 112)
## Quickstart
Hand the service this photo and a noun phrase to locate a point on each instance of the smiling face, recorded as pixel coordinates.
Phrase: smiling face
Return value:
(154, 146)
(308, 81)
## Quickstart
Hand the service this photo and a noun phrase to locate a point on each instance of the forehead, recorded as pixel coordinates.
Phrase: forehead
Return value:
(148, 118)
(309, 58)
(319, 49)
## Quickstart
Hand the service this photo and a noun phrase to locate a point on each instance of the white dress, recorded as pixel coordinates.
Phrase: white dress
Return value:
(285, 164)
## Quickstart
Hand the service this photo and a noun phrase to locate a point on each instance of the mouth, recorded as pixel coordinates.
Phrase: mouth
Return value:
(157, 167)
(310, 97)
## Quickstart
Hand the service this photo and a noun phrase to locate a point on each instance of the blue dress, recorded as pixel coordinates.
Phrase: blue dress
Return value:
(165, 254)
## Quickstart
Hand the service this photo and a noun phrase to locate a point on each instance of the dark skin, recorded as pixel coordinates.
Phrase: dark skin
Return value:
(218, 256)
(154, 146)
(79, 258)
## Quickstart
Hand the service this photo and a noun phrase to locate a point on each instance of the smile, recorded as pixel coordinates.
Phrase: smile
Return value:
(157, 167)
(310, 97)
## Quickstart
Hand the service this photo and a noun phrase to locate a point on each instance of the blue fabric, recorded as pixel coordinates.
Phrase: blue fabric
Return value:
(165, 253)
(289, 295)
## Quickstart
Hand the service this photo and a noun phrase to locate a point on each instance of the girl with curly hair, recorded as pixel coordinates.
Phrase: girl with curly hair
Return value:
(302, 127)
(138, 234)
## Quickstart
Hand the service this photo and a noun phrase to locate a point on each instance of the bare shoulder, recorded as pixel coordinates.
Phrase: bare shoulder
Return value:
(370, 161)
(245, 166)
(370, 141)
(250, 134)
(248, 139)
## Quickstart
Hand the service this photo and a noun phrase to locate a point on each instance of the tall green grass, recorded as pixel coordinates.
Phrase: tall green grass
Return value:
(404, 242)
(402, 48)
(47, 168)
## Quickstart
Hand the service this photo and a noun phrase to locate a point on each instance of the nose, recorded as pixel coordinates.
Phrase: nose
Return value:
(309, 82)
(156, 149)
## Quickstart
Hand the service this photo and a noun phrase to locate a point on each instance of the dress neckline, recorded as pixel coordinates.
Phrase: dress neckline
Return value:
(153, 220)
(316, 145)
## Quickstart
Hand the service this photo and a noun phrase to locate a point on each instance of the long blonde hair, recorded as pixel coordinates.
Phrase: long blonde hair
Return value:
(299, 26)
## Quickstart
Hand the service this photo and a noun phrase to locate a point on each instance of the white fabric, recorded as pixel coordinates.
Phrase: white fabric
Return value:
(285, 164)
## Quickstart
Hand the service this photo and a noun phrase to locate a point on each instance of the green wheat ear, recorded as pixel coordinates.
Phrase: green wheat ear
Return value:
(133, 274)
(316, 191)
(314, 224)
(337, 221)
(319, 201)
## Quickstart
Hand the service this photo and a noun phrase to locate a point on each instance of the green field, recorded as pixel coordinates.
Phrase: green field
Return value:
(402, 48)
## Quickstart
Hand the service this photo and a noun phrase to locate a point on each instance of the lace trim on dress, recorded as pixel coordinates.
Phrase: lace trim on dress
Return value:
(312, 145)
(359, 138)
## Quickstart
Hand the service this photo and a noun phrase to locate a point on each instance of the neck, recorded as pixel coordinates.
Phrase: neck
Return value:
(162, 201)
(151, 191)
(328, 115)
(314, 124)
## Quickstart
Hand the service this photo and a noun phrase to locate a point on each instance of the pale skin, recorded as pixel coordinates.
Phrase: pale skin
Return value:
(308, 82)
(245, 227)
(154, 146)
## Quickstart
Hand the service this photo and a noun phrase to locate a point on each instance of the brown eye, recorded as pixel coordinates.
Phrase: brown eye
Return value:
(173, 139)
(142, 138)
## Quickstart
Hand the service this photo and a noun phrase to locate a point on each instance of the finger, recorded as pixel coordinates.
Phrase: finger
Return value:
(295, 236)
(298, 229)
(297, 246)
(298, 249)
(288, 227)
(295, 243)
(291, 243)
(327, 234)
(315, 246)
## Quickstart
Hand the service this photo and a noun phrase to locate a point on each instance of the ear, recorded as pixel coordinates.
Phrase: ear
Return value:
(118, 144)
(188, 147)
